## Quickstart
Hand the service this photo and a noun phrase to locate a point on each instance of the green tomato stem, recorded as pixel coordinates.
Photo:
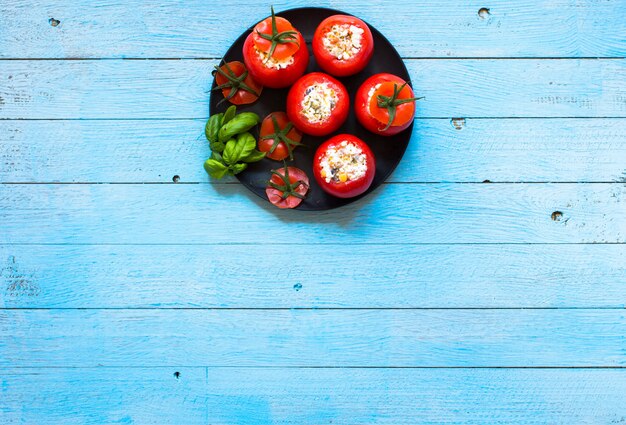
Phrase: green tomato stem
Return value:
(392, 102)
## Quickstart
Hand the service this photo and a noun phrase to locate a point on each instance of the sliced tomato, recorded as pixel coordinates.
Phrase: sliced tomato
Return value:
(275, 55)
(287, 187)
(343, 45)
(237, 85)
(278, 136)
(340, 184)
(330, 116)
(393, 91)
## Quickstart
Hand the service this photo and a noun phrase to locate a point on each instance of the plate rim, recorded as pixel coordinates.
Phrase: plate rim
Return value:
(389, 170)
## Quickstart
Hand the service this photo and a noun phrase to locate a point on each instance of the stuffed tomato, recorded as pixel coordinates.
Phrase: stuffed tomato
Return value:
(275, 53)
(385, 105)
(318, 104)
(344, 166)
(343, 45)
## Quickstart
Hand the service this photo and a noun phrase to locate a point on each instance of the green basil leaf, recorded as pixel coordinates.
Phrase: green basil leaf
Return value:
(231, 153)
(215, 169)
(254, 156)
(217, 147)
(245, 145)
(240, 124)
(212, 127)
(237, 168)
(216, 156)
(229, 114)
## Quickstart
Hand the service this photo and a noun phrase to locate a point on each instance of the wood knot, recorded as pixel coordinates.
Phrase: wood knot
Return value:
(458, 123)
(54, 22)
(483, 13)
(556, 216)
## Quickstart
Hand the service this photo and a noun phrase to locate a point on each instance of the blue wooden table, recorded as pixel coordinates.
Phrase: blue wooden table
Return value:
(485, 282)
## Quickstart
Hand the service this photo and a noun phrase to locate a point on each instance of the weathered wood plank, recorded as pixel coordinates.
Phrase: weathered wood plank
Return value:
(253, 396)
(395, 213)
(442, 150)
(528, 28)
(65, 338)
(103, 396)
(400, 276)
(179, 89)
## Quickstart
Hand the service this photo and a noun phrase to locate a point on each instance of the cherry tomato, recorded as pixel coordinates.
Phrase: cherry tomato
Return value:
(344, 166)
(275, 53)
(278, 136)
(236, 84)
(384, 104)
(287, 187)
(318, 104)
(343, 45)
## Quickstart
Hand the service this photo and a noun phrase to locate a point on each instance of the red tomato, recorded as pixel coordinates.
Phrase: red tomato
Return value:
(396, 97)
(278, 136)
(287, 187)
(318, 104)
(281, 50)
(237, 86)
(344, 166)
(275, 53)
(343, 45)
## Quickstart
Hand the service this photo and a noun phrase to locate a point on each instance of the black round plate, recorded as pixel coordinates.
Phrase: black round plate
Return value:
(387, 150)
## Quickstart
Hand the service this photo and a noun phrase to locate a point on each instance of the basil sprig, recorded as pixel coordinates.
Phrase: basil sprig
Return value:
(233, 146)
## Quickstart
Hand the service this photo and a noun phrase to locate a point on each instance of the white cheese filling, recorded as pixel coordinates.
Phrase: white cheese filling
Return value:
(343, 41)
(369, 96)
(318, 102)
(271, 62)
(343, 163)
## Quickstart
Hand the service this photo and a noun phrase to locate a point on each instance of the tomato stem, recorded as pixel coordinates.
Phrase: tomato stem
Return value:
(235, 83)
(278, 37)
(392, 102)
(288, 188)
(281, 136)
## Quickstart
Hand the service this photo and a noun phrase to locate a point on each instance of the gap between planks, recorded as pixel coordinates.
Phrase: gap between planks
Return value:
(417, 118)
(100, 367)
(403, 57)
(384, 183)
(300, 244)
(308, 308)
(304, 243)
